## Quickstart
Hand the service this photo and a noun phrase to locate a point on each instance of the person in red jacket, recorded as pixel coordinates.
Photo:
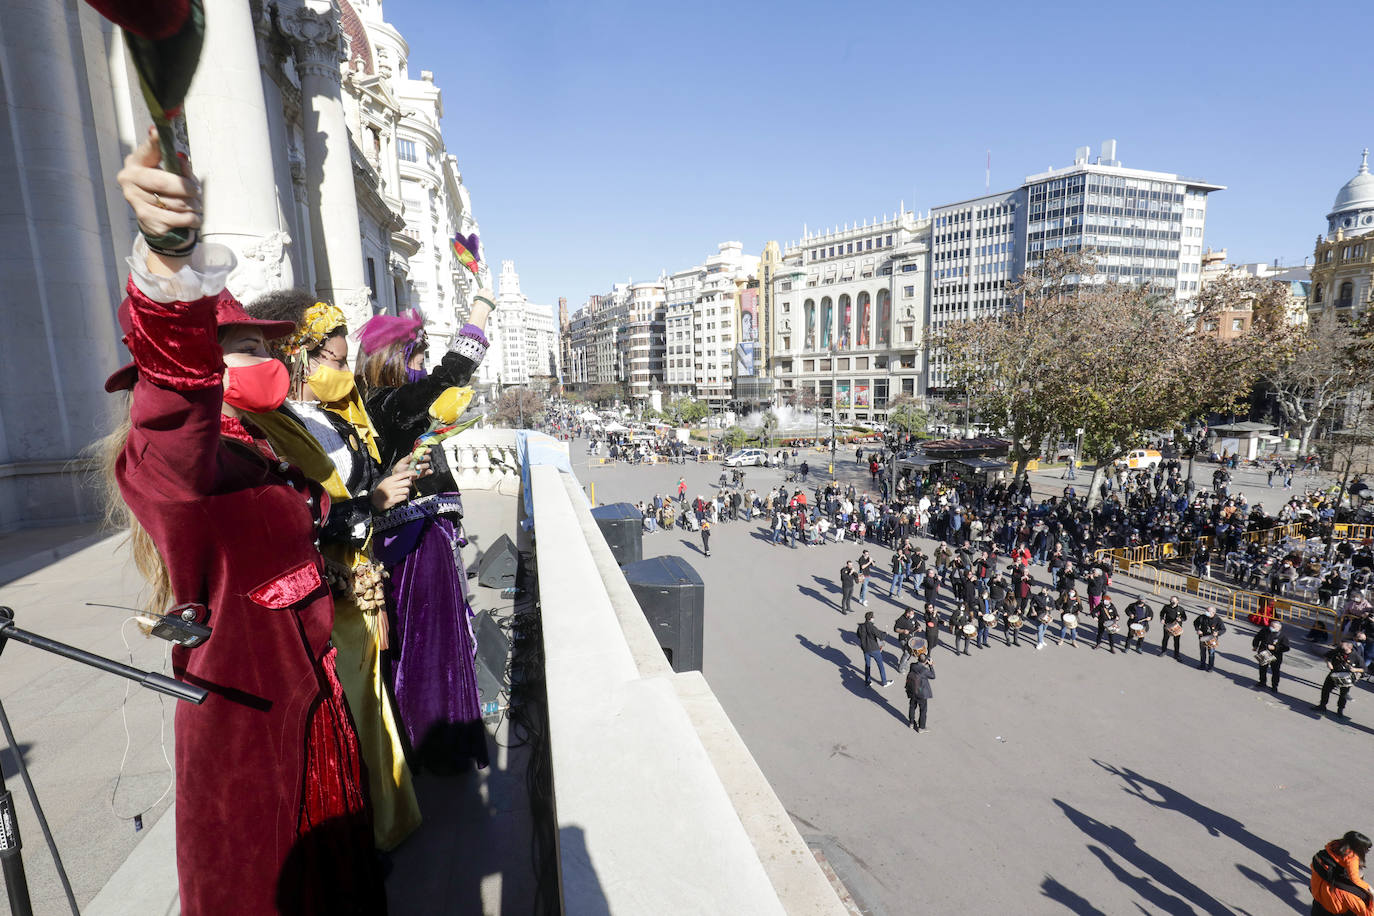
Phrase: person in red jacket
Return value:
(1337, 886)
(272, 813)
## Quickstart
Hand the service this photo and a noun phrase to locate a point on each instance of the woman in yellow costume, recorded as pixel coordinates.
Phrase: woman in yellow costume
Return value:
(324, 429)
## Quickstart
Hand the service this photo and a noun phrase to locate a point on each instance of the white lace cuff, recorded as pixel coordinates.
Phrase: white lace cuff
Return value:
(204, 275)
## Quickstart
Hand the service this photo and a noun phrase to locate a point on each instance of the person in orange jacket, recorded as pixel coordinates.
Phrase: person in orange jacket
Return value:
(1337, 885)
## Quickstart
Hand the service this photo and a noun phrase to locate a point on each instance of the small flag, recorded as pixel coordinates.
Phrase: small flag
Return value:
(466, 250)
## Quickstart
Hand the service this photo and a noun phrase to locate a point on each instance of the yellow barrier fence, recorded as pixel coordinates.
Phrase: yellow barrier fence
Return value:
(1285, 609)
(1353, 532)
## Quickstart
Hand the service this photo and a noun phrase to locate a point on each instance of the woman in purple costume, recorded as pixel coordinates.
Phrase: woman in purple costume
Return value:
(431, 665)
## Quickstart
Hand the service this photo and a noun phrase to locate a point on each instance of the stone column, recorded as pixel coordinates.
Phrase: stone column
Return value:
(231, 149)
(334, 223)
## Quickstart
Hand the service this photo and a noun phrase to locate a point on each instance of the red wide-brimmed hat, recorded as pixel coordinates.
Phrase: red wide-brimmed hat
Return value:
(228, 312)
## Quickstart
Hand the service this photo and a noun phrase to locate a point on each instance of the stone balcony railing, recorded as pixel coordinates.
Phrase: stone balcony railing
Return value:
(485, 459)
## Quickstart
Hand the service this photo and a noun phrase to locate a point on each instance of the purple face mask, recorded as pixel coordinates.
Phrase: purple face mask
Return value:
(412, 375)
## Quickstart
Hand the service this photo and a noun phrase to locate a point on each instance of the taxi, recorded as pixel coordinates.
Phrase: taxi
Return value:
(1139, 458)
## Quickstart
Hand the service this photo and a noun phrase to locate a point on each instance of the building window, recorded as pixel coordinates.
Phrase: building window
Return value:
(1346, 296)
(1238, 324)
(372, 278)
(787, 344)
(406, 150)
(908, 292)
(1317, 293)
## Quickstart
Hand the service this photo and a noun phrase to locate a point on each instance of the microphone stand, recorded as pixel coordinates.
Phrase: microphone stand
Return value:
(11, 855)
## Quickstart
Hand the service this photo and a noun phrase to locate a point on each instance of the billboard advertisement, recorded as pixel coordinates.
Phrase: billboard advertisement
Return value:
(747, 363)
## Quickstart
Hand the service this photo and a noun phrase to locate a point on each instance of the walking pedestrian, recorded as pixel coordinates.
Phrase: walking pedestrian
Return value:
(847, 576)
(918, 691)
(871, 642)
(706, 537)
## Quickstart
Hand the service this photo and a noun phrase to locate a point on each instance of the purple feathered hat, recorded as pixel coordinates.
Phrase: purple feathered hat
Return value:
(385, 330)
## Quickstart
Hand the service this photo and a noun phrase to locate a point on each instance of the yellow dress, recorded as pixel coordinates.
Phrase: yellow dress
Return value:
(396, 812)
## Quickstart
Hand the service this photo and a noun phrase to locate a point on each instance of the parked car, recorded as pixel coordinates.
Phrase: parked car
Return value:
(1140, 458)
(749, 457)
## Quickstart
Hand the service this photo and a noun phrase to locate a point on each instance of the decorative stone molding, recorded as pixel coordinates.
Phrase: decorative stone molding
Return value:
(356, 305)
(484, 459)
(263, 266)
(317, 41)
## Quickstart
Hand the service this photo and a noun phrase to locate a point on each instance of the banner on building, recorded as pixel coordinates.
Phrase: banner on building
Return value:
(842, 394)
(748, 333)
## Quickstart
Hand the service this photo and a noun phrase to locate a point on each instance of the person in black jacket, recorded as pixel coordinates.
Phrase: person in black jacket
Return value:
(871, 642)
(1270, 639)
(918, 691)
(1107, 623)
(1209, 628)
(1339, 678)
(932, 622)
(1138, 612)
(1171, 616)
(848, 575)
(957, 620)
(904, 628)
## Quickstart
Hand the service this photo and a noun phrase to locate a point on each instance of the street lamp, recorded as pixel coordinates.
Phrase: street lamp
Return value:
(834, 402)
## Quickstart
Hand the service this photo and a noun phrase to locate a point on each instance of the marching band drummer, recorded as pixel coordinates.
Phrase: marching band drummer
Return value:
(1340, 677)
(1107, 616)
(1270, 644)
(1070, 612)
(1138, 617)
(1209, 629)
(960, 623)
(1172, 617)
(1040, 610)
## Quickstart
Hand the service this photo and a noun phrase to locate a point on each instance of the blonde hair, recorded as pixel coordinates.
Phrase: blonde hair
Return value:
(118, 515)
(384, 367)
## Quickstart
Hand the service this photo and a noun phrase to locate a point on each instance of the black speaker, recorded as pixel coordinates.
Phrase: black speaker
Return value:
(622, 526)
(496, 569)
(493, 655)
(673, 598)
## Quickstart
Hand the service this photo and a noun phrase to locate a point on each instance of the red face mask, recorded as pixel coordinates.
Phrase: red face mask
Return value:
(259, 388)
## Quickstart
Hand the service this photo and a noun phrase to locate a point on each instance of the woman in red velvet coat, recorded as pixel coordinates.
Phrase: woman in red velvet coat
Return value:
(272, 812)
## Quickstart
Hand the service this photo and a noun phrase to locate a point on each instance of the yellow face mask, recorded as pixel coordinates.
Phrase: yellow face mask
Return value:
(330, 385)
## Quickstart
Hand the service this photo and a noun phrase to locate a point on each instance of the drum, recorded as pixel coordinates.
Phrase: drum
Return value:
(1137, 628)
(989, 619)
(918, 644)
(1014, 621)
(1264, 657)
(1112, 626)
(1175, 629)
(1071, 621)
(1343, 678)
(1210, 642)
(970, 629)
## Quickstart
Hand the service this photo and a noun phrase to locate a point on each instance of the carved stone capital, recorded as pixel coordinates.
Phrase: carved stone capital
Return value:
(317, 41)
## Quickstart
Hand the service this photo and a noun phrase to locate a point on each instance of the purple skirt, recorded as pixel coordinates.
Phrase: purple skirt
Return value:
(431, 665)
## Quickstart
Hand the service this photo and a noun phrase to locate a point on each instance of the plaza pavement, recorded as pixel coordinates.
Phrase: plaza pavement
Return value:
(1062, 780)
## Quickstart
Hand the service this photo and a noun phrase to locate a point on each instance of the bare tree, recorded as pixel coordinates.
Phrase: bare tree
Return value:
(1329, 361)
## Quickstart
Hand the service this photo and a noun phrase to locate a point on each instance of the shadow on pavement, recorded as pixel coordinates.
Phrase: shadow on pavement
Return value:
(572, 846)
(1071, 901)
(691, 545)
(812, 593)
(8, 764)
(828, 585)
(1120, 847)
(1217, 824)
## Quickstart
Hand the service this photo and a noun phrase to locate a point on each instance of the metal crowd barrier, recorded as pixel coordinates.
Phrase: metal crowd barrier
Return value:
(1348, 532)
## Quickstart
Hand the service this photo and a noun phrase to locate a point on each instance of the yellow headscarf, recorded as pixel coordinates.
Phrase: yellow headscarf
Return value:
(314, 327)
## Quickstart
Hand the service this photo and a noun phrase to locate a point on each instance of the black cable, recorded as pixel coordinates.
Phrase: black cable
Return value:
(38, 810)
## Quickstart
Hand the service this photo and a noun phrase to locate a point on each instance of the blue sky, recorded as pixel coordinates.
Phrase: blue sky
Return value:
(603, 141)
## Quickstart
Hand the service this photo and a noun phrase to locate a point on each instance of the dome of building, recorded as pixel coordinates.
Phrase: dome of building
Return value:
(1353, 211)
(1358, 192)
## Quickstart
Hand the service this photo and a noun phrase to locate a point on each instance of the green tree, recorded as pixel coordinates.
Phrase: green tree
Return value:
(906, 415)
(733, 439)
(686, 410)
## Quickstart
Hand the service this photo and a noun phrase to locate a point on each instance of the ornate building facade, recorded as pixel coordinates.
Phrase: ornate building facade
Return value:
(295, 123)
(1343, 261)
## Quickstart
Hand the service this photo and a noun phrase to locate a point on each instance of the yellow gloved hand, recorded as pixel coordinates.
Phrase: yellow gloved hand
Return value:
(449, 406)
